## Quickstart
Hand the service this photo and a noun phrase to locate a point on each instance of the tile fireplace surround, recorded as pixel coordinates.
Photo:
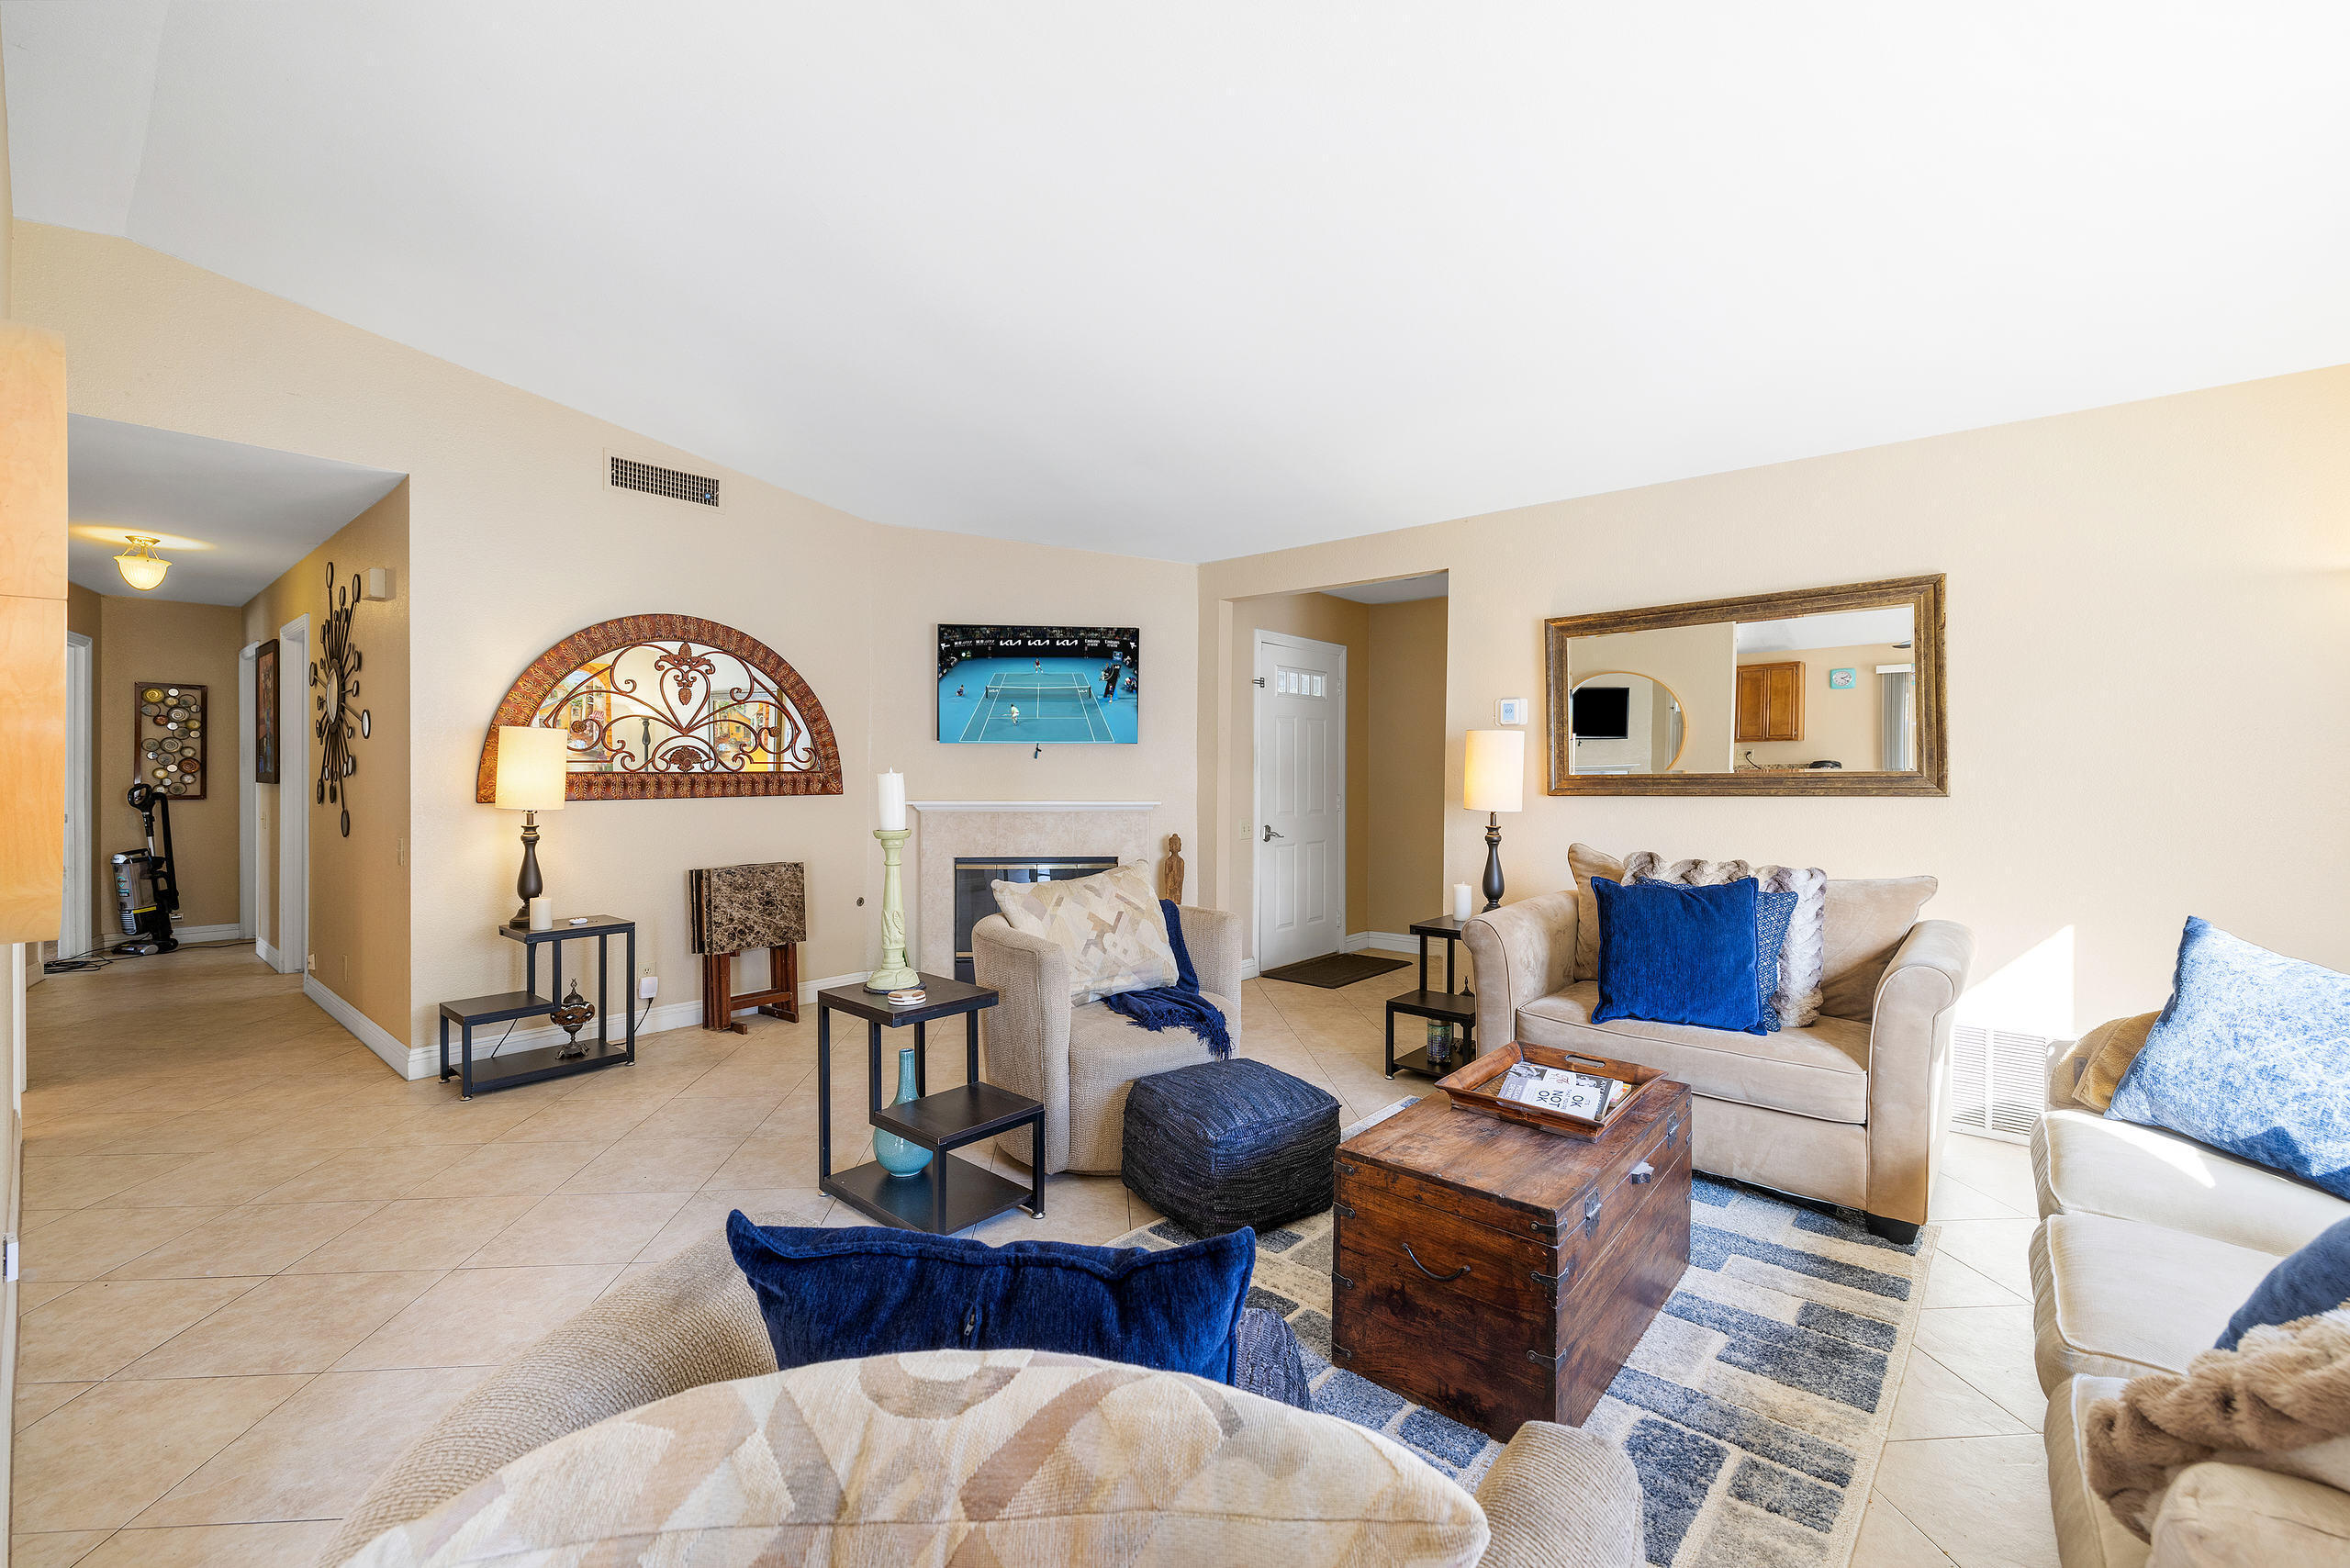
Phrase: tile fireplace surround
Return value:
(945, 829)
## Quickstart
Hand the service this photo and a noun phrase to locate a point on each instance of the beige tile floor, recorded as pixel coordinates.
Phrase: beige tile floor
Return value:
(256, 1264)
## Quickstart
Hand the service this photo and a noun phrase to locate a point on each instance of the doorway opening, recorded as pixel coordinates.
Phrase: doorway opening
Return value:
(77, 933)
(1339, 760)
(293, 934)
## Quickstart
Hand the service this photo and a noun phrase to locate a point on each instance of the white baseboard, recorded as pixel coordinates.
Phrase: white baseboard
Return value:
(661, 1016)
(1382, 942)
(1248, 970)
(402, 1059)
(208, 933)
(267, 954)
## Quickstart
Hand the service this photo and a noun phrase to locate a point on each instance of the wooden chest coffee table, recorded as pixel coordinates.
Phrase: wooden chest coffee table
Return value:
(1500, 1273)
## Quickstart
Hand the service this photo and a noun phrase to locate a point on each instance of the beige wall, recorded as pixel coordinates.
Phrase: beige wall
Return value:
(1840, 724)
(1406, 778)
(2080, 550)
(164, 641)
(1692, 662)
(85, 615)
(358, 887)
(515, 540)
(1327, 619)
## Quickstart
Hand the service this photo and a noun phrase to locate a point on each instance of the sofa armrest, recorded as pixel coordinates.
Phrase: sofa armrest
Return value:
(1213, 938)
(1026, 1031)
(1909, 1065)
(1560, 1498)
(1519, 953)
(679, 1325)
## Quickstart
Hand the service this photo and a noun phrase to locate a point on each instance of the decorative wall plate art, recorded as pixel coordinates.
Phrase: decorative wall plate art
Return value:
(334, 679)
(665, 707)
(168, 737)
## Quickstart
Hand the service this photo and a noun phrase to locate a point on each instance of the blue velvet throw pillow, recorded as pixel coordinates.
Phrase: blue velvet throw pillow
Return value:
(1773, 912)
(2314, 1280)
(2252, 1056)
(830, 1296)
(1671, 954)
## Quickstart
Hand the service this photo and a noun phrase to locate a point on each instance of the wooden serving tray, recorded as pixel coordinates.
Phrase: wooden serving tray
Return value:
(1468, 1087)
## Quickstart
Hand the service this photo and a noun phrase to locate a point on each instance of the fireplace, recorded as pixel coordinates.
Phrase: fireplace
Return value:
(974, 900)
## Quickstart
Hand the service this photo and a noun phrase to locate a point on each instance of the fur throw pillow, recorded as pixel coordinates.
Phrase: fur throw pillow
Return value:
(1801, 957)
(2281, 1401)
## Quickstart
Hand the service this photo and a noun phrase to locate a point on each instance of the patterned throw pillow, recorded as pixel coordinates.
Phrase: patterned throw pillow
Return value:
(962, 1456)
(2252, 1056)
(1108, 924)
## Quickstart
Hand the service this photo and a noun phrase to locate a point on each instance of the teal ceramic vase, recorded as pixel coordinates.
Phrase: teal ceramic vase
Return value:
(897, 1157)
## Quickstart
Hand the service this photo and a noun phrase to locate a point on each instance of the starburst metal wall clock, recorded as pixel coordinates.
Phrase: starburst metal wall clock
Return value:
(334, 679)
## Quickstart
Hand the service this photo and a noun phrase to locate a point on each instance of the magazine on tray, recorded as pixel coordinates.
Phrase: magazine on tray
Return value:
(1555, 1089)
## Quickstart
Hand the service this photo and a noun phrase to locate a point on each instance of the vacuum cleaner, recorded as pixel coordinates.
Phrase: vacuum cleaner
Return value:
(146, 890)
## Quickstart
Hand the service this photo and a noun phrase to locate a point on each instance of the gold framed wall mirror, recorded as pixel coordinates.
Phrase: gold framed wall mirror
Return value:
(1816, 691)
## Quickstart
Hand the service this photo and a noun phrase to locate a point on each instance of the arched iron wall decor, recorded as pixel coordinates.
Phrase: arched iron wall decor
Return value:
(334, 677)
(671, 707)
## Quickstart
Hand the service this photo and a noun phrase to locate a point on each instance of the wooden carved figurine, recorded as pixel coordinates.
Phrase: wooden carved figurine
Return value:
(1171, 870)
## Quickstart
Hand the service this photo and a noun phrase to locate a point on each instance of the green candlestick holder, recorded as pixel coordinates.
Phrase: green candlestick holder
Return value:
(894, 974)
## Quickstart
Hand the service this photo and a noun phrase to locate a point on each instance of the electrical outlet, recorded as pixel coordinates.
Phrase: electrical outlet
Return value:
(648, 986)
(309, 963)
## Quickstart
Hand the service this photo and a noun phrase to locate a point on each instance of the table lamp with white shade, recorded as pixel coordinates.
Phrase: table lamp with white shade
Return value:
(1493, 780)
(533, 762)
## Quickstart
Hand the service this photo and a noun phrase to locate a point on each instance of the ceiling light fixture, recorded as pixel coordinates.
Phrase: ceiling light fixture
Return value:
(141, 566)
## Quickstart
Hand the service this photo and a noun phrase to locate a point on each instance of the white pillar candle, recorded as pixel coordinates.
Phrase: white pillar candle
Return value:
(542, 914)
(893, 800)
(1459, 901)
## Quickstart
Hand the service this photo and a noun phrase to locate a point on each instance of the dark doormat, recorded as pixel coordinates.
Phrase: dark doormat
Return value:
(1334, 969)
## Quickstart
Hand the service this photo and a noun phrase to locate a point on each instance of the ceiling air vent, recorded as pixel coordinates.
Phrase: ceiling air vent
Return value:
(673, 483)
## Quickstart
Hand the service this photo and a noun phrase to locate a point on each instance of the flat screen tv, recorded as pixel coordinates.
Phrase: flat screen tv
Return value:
(1039, 685)
(1601, 712)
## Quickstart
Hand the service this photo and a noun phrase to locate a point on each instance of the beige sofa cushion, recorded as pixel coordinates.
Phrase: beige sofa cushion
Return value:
(1820, 1071)
(2117, 1298)
(2232, 1515)
(1006, 1456)
(1866, 921)
(2088, 1535)
(1109, 924)
(2085, 1164)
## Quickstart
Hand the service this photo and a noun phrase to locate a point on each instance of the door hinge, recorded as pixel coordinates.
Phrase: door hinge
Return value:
(8, 1262)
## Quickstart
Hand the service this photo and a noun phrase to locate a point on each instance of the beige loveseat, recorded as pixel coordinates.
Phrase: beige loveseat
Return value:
(1079, 1060)
(2147, 1244)
(1849, 1110)
(1557, 1497)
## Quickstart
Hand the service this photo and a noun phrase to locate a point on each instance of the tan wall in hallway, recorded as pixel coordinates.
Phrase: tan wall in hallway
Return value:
(86, 614)
(515, 540)
(1405, 776)
(359, 884)
(1327, 619)
(167, 641)
(1838, 724)
(2079, 550)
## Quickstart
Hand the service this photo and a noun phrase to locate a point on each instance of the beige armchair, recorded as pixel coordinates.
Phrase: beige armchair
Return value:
(1849, 1110)
(1079, 1059)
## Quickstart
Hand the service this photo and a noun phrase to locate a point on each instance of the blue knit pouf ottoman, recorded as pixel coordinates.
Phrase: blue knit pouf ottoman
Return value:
(1224, 1144)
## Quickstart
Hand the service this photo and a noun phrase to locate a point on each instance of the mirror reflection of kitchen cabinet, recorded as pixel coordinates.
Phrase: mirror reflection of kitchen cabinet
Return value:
(1770, 702)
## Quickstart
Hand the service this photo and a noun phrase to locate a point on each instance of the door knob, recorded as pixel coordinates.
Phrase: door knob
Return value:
(1270, 834)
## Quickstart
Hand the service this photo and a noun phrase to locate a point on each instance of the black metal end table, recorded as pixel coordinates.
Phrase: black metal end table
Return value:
(506, 1006)
(1446, 1006)
(950, 1194)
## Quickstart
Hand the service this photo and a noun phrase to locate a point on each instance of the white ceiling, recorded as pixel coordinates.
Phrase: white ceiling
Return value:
(233, 518)
(1837, 629)
(1396, 590)
(1199, 281)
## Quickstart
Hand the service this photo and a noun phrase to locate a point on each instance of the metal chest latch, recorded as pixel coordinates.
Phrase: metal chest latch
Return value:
(1591, 1214)
(1643, 1173)
(1671, 1129)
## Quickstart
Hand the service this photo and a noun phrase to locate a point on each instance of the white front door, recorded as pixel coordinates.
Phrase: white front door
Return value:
(1300, 798)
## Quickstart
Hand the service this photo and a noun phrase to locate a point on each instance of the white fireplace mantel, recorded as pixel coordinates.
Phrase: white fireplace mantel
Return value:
(1032, 805)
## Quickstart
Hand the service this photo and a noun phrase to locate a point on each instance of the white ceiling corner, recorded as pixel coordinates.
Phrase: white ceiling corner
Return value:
(1396, 590)
(1197, 283)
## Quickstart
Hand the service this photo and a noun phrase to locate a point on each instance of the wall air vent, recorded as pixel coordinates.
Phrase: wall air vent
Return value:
(673, 483)
(1998, 1082)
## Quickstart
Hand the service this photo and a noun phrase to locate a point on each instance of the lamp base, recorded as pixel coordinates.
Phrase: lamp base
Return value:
(891, 979)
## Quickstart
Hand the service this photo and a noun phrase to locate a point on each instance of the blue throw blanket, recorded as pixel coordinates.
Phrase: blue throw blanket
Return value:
(1180, 1005)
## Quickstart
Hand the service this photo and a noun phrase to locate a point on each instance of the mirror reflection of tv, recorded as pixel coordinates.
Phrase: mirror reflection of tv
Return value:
(1039, 685)
(1601, 712)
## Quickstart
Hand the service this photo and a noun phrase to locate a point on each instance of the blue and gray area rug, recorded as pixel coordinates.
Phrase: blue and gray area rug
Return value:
(1754, 1408)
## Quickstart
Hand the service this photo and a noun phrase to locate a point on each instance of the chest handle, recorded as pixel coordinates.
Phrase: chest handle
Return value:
(1460, 1272)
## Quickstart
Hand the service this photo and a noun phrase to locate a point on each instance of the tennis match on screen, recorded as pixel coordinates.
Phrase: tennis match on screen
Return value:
(1040, 685)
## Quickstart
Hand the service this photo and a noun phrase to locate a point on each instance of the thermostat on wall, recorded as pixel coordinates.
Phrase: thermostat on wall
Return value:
(1510, 711)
